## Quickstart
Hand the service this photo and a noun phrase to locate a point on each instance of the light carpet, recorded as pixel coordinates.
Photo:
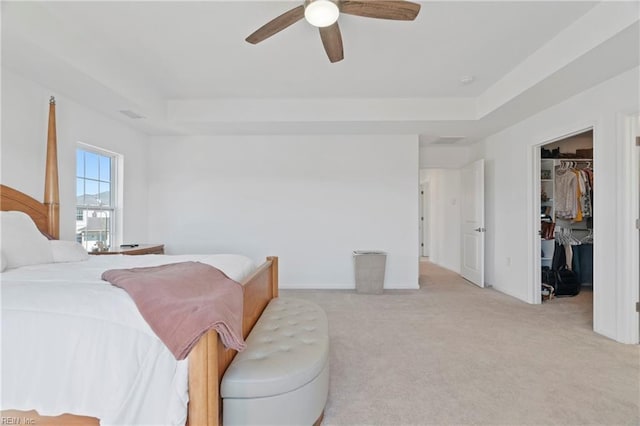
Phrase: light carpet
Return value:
(454, 354)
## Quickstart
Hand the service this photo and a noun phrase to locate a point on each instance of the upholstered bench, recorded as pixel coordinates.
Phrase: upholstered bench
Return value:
(282, 377)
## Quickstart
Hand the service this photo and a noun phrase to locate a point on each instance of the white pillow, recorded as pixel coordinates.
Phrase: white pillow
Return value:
(21, 241)
(68, 251)
(3, 262)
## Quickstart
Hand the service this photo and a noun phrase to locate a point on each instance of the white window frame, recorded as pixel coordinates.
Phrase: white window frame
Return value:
(115, 222)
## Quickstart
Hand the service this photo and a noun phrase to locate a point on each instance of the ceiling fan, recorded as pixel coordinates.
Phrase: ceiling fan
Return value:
(324, 15)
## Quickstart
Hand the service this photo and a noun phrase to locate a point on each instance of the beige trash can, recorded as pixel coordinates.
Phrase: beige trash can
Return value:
(370, 268)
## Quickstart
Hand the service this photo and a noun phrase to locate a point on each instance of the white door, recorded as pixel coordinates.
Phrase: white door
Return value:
(472, 214)
(637, 192)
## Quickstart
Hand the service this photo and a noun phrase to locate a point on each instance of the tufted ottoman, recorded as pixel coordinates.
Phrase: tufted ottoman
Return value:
(282, 377)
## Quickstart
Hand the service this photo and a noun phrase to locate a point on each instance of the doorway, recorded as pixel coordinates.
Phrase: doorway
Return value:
(565, 208)
(442, 216)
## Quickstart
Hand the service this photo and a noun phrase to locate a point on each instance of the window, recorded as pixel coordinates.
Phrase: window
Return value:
(95, 197)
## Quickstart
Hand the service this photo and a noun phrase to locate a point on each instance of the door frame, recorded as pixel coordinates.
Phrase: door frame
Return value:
(534, 212)
(425, 223)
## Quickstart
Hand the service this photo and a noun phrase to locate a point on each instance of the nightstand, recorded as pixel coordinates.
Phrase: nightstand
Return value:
(133, 251)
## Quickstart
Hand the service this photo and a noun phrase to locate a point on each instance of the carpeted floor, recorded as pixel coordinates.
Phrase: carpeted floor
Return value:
(454, 354)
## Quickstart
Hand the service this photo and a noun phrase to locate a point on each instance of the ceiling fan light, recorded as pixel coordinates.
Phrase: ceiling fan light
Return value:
(321, 13)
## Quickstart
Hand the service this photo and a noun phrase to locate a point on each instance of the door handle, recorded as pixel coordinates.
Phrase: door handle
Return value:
(480, 230)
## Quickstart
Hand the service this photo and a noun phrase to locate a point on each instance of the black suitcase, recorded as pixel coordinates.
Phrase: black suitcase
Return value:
(566, 282)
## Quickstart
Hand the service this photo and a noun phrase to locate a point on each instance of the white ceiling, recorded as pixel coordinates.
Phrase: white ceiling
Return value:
(185, 66)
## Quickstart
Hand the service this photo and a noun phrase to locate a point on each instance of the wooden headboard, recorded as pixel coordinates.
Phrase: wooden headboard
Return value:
(46, 215)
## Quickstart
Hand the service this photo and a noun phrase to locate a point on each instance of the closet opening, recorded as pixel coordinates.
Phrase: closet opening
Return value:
(566, 223)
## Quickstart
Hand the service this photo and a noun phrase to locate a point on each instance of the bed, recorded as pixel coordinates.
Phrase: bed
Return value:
(206, 363)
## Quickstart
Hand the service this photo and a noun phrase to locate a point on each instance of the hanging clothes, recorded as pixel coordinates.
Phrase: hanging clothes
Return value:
(583, 262)
(568, 255)
(579, 191)
(573, 192)
(586, 177)
(559, 259)
(565, 193)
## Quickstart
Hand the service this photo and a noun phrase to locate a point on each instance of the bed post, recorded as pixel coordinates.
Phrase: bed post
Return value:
(204, 409)
(274, 275)
(51, 195)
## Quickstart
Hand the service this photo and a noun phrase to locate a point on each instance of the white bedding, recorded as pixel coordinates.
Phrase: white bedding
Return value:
(72, 343)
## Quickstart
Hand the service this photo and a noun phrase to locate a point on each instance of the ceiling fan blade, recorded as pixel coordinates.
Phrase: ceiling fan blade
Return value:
(332, 41)
(397, 10)
(276, 25)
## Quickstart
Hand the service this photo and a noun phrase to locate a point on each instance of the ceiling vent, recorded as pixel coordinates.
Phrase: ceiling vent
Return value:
(447, 140)
(132, 115)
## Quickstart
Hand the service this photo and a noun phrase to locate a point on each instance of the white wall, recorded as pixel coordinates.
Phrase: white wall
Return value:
(509, 199)
(25, 108)
(310, 200)
(444, 157)
(444, 216)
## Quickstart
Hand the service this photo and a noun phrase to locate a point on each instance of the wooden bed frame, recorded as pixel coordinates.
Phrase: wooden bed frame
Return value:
(208, 360)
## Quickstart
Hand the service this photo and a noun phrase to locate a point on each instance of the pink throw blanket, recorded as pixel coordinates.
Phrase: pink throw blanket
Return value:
(182, 301)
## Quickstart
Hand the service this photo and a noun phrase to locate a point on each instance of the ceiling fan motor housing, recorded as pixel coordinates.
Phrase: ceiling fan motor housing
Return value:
(321, 13)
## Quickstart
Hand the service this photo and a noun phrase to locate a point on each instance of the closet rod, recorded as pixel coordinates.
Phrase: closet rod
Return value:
(566, 163)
